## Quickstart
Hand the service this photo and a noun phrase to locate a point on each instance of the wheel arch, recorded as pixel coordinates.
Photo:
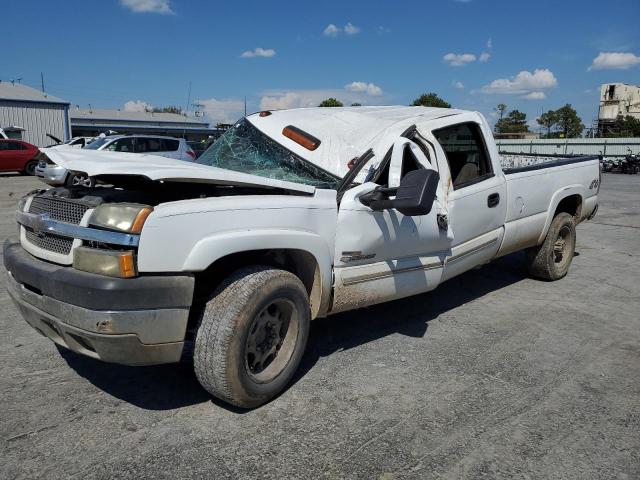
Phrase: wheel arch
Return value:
(569, 200)
(302, 253)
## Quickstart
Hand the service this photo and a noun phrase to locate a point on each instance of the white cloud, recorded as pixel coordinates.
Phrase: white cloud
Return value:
(365, 93)
(458, 85)
(331, 30)
(489, 44)
(278, 100)
(535, 96)
(484, 57)
(351, 29)
(382, 30)
(137, 106)
(459, 59)
(364, 87)
(259, 52)
(523, 83)
(614, 61)
(148, 6)
(222, 111)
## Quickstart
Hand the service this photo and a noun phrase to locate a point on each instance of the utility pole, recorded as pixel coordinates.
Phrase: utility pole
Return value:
(186, 111)
(42, 81)
(245, 105)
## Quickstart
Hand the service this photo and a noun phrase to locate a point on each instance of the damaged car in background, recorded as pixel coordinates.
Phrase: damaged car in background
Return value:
(169, 147)
(289, 216)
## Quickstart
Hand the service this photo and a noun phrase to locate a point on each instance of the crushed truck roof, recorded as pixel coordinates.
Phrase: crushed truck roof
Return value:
(345, 132)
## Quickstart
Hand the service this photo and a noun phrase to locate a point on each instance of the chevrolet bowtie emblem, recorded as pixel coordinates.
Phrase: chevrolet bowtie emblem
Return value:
(38, 224)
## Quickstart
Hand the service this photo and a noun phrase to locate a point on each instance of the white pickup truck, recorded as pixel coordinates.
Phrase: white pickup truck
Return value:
(291, 215)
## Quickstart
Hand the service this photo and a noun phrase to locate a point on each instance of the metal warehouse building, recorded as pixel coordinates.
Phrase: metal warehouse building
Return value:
(34, 113)
(89, 123)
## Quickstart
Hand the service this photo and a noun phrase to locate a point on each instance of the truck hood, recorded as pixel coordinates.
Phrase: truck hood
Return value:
(96, 163)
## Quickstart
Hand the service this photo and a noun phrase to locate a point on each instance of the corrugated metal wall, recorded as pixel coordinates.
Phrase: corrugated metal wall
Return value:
(607, 147)
(37, 119)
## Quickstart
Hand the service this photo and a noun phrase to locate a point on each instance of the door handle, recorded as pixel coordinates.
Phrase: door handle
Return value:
(493, 200)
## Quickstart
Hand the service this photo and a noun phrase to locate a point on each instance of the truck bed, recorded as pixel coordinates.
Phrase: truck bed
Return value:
(515, 163)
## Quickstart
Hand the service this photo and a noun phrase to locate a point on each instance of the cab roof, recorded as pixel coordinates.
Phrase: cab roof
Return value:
(345, 132)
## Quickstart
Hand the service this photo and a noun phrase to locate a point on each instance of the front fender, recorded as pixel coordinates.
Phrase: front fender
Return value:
(209, 249)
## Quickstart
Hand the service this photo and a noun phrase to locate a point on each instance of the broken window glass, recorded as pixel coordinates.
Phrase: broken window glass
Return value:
(243, 148)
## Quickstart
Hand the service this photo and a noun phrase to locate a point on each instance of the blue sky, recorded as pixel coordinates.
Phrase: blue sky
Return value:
(474, 53)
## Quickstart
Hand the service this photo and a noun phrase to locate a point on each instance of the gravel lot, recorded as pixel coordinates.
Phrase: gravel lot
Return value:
(492, 375)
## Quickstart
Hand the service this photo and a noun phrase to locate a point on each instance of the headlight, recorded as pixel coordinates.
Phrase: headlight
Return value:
(112, 263)
(123, 217)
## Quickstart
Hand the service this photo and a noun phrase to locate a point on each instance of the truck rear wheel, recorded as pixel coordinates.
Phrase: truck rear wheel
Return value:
(252, 336)
(551, 260)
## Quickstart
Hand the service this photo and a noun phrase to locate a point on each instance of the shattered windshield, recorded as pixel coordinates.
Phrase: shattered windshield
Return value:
(243, 148)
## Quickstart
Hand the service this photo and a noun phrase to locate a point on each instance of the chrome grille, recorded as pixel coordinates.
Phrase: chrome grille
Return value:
(52, 243)
(59, 209)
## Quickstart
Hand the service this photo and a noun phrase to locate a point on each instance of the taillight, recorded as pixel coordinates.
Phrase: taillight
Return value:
(191, 153)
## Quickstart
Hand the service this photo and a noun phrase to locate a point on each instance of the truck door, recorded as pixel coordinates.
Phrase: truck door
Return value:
(383, 255)
(477, 202)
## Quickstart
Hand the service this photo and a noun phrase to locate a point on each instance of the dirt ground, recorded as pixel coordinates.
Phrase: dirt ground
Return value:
(492, 375)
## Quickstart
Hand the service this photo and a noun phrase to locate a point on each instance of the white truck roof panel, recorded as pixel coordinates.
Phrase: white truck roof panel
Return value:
(344, 132)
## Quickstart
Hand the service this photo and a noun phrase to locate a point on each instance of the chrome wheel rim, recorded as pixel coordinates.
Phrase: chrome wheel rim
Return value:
(271, 340)
(80, 181)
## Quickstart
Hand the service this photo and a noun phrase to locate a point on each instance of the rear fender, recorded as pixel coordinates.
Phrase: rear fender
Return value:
(557, 197)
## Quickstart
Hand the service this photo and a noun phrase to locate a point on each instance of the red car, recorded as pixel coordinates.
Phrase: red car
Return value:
(18, 156)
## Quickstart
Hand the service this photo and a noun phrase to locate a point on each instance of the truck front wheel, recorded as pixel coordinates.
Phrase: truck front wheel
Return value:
(551, 260)
(252, 336)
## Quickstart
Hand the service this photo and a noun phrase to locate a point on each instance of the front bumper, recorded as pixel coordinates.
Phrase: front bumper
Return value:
(140, 321)
(54, 175)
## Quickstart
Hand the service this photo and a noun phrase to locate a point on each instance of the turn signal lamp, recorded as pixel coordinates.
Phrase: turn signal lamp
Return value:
(112, 263)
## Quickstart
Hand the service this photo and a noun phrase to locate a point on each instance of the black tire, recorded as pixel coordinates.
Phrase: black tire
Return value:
(551, 260)
(79, 180)
(250, 306)
(30, 168)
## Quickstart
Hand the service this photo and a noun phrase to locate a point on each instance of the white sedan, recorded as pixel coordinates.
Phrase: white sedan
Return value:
(170, 147)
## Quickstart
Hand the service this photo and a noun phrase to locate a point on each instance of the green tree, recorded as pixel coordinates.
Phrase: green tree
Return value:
(548, 120)
(331, 102)
(356, 104)
(514, 122)
(169, 109)
(501, 108)
(569, 124)
(625, 127)
(430, 100)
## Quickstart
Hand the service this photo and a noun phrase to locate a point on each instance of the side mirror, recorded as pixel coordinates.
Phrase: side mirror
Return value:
(414, 197)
